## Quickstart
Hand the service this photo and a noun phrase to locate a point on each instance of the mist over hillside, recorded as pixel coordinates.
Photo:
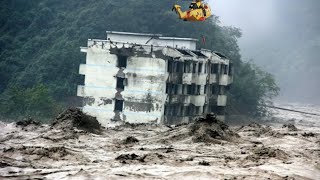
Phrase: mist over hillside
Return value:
(283, 37)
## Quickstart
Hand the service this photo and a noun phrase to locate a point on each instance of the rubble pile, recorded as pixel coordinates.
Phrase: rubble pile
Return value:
(290, 127)
(257, 130)
(211, 130)
(28, 121)
(76, 118)
(266, 153)
(130, 140)
(153, 158)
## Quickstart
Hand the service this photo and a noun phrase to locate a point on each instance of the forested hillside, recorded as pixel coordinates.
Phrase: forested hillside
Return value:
(40, 57)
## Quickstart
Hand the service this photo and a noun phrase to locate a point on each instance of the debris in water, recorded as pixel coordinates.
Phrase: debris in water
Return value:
(309, 134)
(211, 130)
(124, 157)
(267, 152)
(76, 118)
(290, 127)
(28, 121)
(130, 140)
(204, 163)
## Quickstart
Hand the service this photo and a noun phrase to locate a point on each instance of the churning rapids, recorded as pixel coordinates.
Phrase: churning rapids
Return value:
(286, 146)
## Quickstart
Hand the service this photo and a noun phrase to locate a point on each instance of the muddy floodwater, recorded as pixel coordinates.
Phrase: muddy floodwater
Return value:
(286, 146)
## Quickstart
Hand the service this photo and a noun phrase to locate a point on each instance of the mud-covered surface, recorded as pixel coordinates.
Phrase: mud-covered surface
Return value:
(70, 149)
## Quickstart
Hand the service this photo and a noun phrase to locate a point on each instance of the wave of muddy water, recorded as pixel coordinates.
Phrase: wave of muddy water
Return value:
(161, 152)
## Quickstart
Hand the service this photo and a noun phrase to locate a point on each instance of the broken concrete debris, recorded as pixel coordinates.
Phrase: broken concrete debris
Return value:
(28, 121)
(130, 140)
(75, 118)
(290, 127)
(210, 130)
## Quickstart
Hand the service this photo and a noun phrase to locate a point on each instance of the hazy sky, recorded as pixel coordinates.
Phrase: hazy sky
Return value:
(256, 18)
(283, 37)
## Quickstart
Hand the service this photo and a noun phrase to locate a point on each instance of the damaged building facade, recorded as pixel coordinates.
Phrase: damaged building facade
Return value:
(148, 78)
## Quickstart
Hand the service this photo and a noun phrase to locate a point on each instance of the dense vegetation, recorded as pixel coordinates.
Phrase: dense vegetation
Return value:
(40, 40)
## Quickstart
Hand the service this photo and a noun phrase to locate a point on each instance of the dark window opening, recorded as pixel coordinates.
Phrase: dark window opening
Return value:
(189, 89)
(214, 68)
(213, 109)
(198, 89)
(118, 105)
(213, 89)
(200, 67)
(221, 90)
(197, 110)
(204, 110)
(187, 67)
(170, 64)
(222, 69)
(184, 89)
(176, 87)
(194, 68)
(187, 111)
(175, 66)
(226, 69)
(120, 83)
(180, 67)
(168, 88)
(227, 88)
(122, 61)
(219, 110)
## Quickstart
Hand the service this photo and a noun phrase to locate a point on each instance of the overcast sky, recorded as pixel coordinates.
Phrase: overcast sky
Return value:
(283, 37)
(256, 18)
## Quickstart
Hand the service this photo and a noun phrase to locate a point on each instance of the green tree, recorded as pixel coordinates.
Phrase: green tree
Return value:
(252, 90)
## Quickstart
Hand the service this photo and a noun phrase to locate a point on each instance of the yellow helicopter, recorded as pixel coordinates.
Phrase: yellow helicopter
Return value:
(198, 11)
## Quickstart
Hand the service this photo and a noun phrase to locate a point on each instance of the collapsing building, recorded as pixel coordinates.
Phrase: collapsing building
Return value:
(148, 78)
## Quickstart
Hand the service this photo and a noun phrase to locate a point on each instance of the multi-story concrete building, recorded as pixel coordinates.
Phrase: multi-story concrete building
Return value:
(148, 78)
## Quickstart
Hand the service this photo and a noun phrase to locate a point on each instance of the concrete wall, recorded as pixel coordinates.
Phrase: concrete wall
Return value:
(151, 84)
(152, 39)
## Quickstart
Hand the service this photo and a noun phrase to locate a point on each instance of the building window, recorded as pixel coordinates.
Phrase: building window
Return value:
(187, 67)
(204, 110)
(118, 106)
(197, 110)
(221, 90)
(180, 67)
(214, 68)
(226, 69)
(200, 68)
(213, 89)
(122, 61)
(194, 68)
(187, 111)
(176, 88)
(168, 88)
(170, 63)
(121, 83)
(198, 89)
(184, 89)
(222, 69)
